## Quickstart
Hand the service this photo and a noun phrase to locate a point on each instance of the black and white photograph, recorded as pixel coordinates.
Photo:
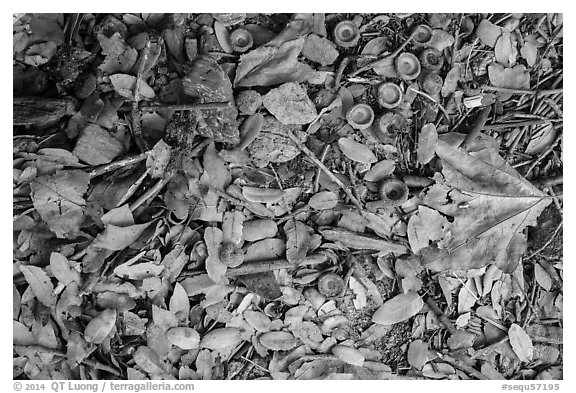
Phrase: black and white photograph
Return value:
(287, 196)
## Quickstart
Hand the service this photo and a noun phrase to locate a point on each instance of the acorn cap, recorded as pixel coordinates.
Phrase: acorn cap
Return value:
(407, 66)
(422, 35)
(360, 116)
(241, 40)
(393, 192)
(389, 95)
(432, 83)
(431, 59)
(330, 284)
(346, 34)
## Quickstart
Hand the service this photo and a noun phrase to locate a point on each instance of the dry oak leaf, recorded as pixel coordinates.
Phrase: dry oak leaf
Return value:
(59, 200)
(398, 309)
(267, 65)
(521, 343)
(40, 284)
(490, 204)
(100, 327)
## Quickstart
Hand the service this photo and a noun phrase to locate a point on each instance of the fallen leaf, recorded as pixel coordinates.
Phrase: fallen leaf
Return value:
(398, 309)
(223, 37)
(356, 151)
(183, 337)
(516, 77)
(297, 241)
(521, 343)
(96, 146)
(62, 270)
(380, 170)
(541, 139)
(40, 284)
(265, 66)
(278, 341)
(148, 360)
(427, 143)
(488, 32)
(100, 327)
(324, 200)
(490, 188)
(542, 277)
(417, 354)
(125, 86)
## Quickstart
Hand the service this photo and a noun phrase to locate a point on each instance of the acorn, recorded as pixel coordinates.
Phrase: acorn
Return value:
(393, 192)
(432, 83)
(389, 95)
(330, 284)
(346, 34)
(431, 59)
(241, 40)
(391, 124)
(407, 66)
(360, 116)
(422, 35)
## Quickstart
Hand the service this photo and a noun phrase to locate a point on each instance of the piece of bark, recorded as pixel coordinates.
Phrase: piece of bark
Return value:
(40, 112)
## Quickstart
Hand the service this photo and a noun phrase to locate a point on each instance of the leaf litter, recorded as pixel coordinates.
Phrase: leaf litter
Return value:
(193, 199)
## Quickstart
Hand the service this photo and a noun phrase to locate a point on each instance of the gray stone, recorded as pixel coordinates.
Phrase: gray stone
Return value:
(290, 104)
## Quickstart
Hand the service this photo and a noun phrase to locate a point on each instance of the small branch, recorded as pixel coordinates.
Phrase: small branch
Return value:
(500, 126)
(185, 107)
(538, 251)
(267, 266)
(151, 193)
(440, 315)
(118, 164)
(482, 119)
(463, 366)
(433, 100)
(316, 161)
(521, 91)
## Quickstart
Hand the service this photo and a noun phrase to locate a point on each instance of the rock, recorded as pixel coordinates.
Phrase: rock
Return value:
(319, 50)
(290, 104)
(248, 101)
(272, 144)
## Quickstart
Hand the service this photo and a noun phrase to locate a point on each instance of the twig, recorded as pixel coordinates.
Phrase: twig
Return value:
(538, 251)
(463, 366)
(315, 159)
(456, 36)
(276, 264)
(132, 189)
(185, 107)
(322, 158)
(554, 181)
(341, 68)
(521, 91)
(482, 118)
(151, 193)
(118, 164)
(444, 111)
(500, 126)
(488, 349)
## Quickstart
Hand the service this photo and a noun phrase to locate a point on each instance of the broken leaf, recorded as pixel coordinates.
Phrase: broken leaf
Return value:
(398, 309)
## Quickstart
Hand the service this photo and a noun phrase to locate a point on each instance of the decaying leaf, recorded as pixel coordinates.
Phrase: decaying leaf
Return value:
(488, 188)
(521, 343)
(40, 283)
(398, 309)
(100, 327)
(427, 143)
(357, 151)
(297, 241)
(268, 65)
(418, 354)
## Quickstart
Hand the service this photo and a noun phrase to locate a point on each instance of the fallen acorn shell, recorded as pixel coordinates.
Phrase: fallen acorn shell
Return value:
(422, 35)
(278, 341)
(241, 40)
(432, 83)
(346, 34)
(407, 66)
(330, 284)
(349, 355)
(360, 116)
(389, 95)
(221, 338)
(183, 337)
(431, 59)
(393, 192)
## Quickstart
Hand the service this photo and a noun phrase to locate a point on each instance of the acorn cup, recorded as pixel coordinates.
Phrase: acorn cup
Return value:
(407, 66)
(393, 192)
(346, 34)
(241, 40)
(431, 59)
(330, 284)
(389, 95)
(360, 116)
(422, 35)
